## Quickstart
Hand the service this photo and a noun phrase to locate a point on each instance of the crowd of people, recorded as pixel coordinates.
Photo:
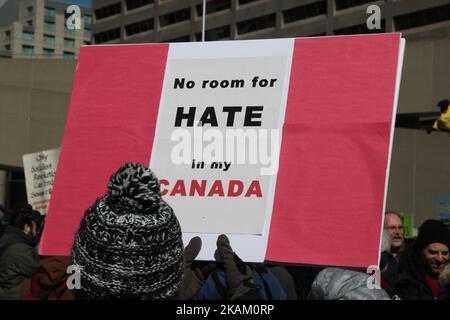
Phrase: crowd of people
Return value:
(129, 246)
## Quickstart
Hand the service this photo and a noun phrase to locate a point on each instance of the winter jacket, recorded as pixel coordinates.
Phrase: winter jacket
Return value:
(389, 274)
(18, 261)
(341, 284)
(411, 283)
(49, 282)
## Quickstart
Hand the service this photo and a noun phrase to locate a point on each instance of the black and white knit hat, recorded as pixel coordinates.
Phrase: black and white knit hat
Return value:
(129, 244)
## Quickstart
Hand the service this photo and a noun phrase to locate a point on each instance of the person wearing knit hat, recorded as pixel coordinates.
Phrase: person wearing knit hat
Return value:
(421, 264)
(129, 242)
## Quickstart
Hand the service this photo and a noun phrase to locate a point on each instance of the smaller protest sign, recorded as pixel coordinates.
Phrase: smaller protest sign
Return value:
(408, 224)
(40, 171)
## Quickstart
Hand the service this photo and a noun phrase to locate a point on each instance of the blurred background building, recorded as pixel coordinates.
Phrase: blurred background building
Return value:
(118, 21)
(37, 29)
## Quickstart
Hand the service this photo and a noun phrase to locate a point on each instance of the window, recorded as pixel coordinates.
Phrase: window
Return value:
(86, 43)
(175, 17)
(68, 55)
(27, 35)
(28, 50)
(134, 4)
(304, 12)
(256, 24)
(359, 29)
(49, 12)
(48, 39)
(422, 18)
(344, 4)
(67, 30)
(139, 27)
(49, 52)
(180, 39)
(215, 34)
(49, 25)
(87, 33)
(69, 42)
(214, 6)
(107, 35)
(7, 47)
(241, 2)
(29, 11)
(30, 23)
(87, 18)
(108, 11)
(7, 35)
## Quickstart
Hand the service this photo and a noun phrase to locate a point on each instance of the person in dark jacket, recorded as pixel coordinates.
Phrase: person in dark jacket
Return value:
(422, 263)
(18, 258)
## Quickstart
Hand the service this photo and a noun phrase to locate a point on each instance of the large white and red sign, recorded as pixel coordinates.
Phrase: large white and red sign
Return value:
(282, 144)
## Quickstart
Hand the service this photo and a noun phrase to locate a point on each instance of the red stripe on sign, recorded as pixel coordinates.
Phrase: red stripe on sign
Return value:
(334, 155)
(111, 120)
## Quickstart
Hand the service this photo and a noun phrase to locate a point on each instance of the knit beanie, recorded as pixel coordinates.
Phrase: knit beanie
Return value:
(432, 231)
(129, 242)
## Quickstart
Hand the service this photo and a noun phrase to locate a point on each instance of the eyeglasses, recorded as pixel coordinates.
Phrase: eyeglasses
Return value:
(392, 228)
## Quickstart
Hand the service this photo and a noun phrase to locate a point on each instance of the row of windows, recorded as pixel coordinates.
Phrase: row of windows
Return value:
(344, 4)
(360, 29)
(252, 25)
(215, 34)
(48, 39)
(304, 12)
(134, 4)
(211, 7)
(175, 17)
(422, 18)
(29, 50)
(290, 15)
(106, 36)
(51, 12)
(51, 26)
(402, 22)
(139, 27)
(108, 11)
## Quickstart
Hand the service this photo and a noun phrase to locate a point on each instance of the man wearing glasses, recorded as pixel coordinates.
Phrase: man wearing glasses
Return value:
(394, 225)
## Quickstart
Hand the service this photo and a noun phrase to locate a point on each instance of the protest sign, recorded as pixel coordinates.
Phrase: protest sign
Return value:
(311, 121)
(40, 171)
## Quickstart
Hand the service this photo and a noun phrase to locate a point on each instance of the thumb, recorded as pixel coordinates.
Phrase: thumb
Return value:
(225, 250)
(192, 250)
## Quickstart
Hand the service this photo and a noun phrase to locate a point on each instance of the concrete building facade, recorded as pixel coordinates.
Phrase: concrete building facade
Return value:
(129, 21)
(37, 29)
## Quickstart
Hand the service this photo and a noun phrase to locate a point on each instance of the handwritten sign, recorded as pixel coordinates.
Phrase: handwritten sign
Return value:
(40, 171)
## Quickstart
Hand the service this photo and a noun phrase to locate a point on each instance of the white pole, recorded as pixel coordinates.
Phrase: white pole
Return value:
(203, 20)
